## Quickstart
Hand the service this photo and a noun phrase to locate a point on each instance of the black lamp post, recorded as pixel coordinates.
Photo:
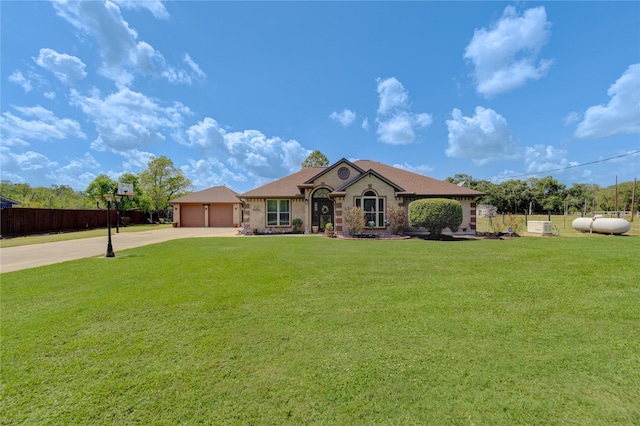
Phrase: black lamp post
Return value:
(109, 198)
(110, 252)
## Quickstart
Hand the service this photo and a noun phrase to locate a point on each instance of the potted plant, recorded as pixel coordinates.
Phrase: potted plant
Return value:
(297, 223)
(315, 229)
(328, 229)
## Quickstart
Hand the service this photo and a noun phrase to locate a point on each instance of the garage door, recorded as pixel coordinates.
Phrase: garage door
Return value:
(221, 215)
(191, 215)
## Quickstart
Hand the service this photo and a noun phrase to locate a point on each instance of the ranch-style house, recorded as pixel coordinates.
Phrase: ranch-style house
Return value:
(320, 195)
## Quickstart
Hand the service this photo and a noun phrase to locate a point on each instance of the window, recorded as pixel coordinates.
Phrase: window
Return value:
(373, 207)
(343, 173)
(278, 213)
(321, 193)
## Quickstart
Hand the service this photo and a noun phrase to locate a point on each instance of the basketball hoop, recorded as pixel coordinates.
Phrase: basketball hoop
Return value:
(125, 189)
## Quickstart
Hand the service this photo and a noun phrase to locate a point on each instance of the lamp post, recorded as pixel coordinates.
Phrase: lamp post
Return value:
(109, 198)
(110, 252)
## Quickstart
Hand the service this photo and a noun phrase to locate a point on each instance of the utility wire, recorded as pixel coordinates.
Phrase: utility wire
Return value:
(571, 167)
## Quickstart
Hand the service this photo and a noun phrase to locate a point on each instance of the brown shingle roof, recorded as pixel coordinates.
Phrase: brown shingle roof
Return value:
(414, 182)
(285, 187)
(411, 183)
(215, 194)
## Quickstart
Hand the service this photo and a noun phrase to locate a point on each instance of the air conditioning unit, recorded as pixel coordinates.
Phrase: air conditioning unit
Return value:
(540, 227)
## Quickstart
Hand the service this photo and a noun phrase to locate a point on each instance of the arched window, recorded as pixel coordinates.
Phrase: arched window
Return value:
(321, 193)
(373, 207)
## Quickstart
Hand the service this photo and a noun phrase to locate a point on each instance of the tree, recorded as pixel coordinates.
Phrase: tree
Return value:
(580, 197)
(64, 197)
(20, 192)
(160, 183)
(315, 159)
(126, 203)
(101, 185)
(550, 194)
(461, 179)
(435, 214)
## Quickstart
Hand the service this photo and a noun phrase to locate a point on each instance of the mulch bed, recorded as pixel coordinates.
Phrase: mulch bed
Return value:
(478, 236)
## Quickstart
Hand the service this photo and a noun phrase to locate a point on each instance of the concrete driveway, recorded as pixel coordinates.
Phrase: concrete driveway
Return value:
(30, 256)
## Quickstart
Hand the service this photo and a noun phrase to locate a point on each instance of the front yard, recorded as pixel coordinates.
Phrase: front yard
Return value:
(316, 330)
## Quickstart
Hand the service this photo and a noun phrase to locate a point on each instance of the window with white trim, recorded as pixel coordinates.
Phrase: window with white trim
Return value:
(373, 207)
(278, 213)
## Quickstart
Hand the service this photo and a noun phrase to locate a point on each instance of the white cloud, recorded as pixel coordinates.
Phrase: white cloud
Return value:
(540, 158)
(399, 129)
(205, 173)
(621, 115)
(346, 117)
(65, 67)
(505, 57)
(122, 54)
(571, 118)
(36, 123)
(78, 173)
(136, 159)
(481, 138)
(393, 96)
(156, 7)
(396, 123)
(174, 75)
(365, 124)
(194, 67)
(128, 120)
(503, 176)
(146, 57)
(250, 151)
(27, 166)
(21, 81)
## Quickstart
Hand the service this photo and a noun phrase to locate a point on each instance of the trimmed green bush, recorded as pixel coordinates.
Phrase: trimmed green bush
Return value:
(435, 214)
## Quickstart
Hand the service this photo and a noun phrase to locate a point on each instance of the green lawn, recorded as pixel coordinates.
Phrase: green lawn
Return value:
(294, 330)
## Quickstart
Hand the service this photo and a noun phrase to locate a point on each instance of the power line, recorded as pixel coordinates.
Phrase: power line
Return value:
(570, 167)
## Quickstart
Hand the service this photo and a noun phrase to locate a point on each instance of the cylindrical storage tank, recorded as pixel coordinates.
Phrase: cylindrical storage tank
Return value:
(601, 225)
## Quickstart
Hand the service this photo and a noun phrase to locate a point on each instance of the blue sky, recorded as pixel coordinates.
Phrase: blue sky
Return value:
(239, 93)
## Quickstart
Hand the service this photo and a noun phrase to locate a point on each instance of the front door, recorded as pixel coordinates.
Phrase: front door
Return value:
(322, 213)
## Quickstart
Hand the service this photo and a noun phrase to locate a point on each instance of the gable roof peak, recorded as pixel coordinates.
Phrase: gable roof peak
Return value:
(333, 166)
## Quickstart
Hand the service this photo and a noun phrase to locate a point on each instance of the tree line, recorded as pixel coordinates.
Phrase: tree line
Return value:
(162, 181)
(152, 188)
(546, 194)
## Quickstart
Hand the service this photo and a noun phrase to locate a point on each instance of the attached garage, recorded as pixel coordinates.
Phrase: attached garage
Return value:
(191, 215)
(218, 206)
(221, 215)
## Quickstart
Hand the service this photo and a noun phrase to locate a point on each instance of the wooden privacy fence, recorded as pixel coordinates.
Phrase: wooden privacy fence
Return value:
(26, 221)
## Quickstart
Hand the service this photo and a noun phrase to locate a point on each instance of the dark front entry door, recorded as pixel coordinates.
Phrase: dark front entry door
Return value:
(322, 213)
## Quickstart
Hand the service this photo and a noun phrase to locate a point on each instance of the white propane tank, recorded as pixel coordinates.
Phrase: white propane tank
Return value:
(601, 225)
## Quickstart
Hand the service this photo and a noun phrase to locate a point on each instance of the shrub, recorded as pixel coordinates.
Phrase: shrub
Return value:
(397, 219)
(354, 220)
(515, 223)
(297, 222)
(435, 214)
(495, 225)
